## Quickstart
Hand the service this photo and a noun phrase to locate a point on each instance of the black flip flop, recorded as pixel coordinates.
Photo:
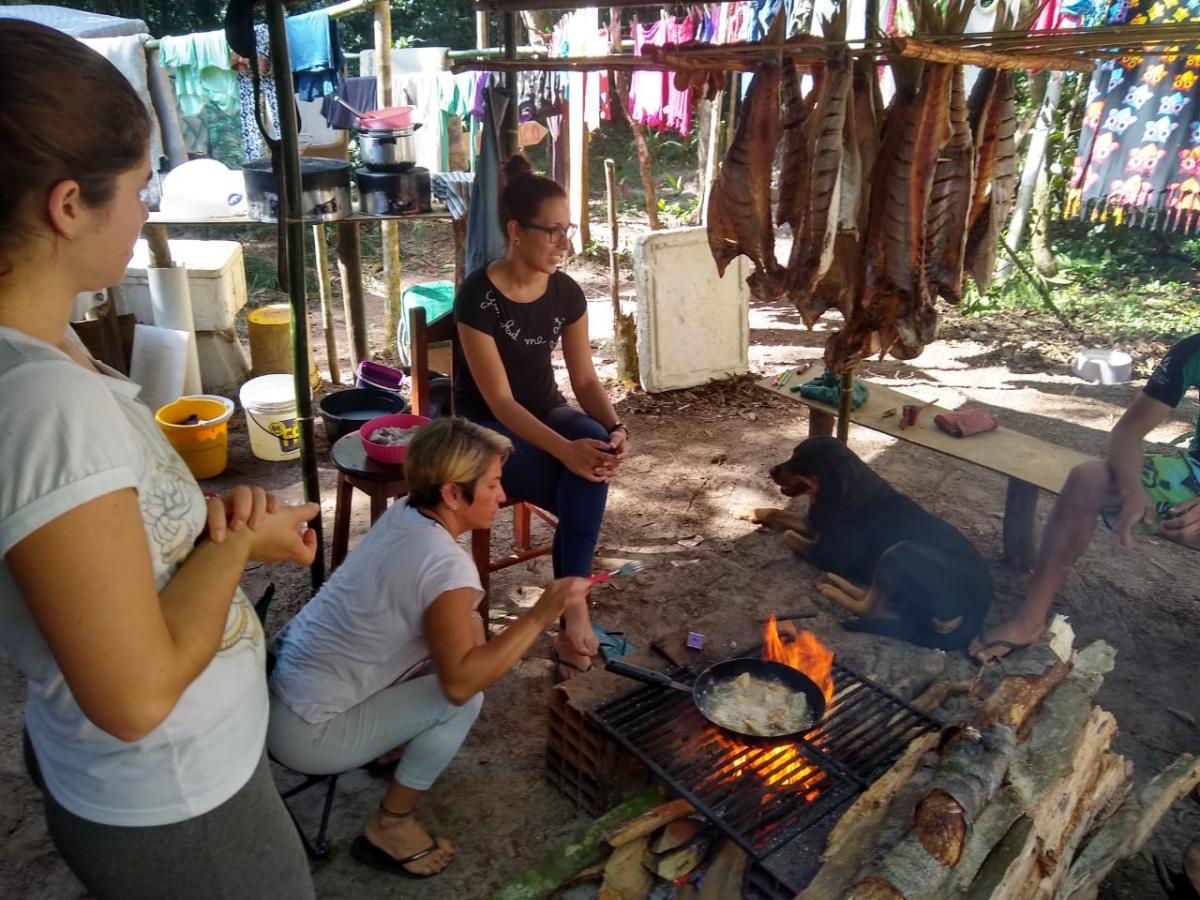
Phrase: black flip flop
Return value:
(1010, 646)
(558, 677)
(370, 855)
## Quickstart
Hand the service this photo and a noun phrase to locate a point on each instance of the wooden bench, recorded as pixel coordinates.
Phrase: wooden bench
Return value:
(1028, 462)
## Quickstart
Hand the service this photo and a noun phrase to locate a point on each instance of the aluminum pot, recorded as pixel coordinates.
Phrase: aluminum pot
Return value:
(324, 190)
(387, 150)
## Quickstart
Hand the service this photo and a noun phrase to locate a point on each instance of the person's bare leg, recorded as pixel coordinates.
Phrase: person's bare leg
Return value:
(1068, 532)
(576, 643)
(394, 828)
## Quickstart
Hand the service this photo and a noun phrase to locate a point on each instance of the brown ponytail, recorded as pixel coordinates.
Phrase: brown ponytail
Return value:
(523, 192)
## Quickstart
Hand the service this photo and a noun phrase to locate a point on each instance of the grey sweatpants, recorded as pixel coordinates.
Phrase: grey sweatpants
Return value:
(412, 713)
(245, 849)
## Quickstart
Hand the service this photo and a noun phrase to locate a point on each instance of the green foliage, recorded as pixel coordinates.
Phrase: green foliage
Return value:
(420, 23)
(680, 212)
(1127, 283)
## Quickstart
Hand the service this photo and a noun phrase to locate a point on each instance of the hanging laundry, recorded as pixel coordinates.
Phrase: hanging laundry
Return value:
(316, 54)
(653, 98)
(202, 71)
(1139, 148)
(360, 93)
(253, 144)
(485, 239)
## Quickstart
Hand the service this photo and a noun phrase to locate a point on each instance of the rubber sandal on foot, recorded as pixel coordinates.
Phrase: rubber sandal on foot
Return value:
(370, 855)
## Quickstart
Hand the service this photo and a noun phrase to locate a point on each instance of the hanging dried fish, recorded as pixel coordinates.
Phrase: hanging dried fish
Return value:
(812, 250)
(865, 98)
(950, 200)
(739, 209)
(795, 169)
(988, 219)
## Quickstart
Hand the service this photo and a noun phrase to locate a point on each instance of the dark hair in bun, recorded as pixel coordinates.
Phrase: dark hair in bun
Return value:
(523, 192)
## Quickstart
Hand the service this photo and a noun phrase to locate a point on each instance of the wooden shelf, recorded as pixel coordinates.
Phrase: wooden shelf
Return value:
(160, 219)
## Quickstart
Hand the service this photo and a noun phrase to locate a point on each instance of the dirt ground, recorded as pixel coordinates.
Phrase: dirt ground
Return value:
(696, 455)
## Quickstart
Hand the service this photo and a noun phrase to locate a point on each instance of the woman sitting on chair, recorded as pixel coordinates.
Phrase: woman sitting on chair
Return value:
(350, 682)
(510, 315)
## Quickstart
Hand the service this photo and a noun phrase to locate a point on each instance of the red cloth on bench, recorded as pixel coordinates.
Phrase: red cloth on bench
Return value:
(965, 422)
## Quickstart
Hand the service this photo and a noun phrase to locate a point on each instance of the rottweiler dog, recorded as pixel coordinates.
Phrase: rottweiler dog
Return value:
(925, 582)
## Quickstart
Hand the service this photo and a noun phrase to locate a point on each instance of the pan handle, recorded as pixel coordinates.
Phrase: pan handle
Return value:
(629, 670)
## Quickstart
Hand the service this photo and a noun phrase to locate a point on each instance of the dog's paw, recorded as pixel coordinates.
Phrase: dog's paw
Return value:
(797, 542)
(755, 514)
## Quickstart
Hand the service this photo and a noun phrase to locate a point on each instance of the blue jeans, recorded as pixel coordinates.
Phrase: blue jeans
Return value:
(536, 477)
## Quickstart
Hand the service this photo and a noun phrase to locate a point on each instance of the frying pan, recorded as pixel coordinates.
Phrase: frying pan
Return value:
(726, 671)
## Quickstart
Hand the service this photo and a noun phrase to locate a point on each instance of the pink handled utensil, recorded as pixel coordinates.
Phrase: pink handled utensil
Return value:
(630, 568)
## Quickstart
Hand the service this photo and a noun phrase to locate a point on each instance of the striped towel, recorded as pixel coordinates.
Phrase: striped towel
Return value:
(454, 189)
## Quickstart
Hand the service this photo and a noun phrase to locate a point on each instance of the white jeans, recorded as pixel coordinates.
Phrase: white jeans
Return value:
(414, 713)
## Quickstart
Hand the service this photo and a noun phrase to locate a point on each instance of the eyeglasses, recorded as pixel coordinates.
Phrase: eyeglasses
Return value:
(558, 233)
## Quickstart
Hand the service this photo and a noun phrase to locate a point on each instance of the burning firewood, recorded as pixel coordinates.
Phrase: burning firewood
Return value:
(677, 863)
(649, 822)
(723, 879)
(676, 834)
(625, 876)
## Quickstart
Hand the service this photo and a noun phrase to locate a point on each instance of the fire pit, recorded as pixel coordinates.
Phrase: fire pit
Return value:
(767, 796)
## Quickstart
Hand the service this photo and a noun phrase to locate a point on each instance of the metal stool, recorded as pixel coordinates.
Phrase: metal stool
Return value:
(379, 481)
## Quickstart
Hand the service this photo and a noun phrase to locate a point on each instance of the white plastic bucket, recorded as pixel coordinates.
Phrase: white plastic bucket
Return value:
(270, 405)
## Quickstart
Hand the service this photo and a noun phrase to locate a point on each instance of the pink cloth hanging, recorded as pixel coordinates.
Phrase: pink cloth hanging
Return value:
(653, 98)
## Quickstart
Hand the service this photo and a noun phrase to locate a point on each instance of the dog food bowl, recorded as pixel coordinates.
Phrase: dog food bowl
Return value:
(348, 410)
(1104, 366)
(391, 454)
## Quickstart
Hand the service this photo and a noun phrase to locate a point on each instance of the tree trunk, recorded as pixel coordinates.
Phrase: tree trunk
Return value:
(1039, 238)
(1035, 158)
(621, 94)
(624, 326)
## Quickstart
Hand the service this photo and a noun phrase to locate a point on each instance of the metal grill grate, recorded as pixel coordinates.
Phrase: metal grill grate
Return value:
(763, 795)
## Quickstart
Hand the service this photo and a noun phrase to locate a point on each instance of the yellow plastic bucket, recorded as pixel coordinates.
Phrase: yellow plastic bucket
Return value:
(270, 331)
(204, 443)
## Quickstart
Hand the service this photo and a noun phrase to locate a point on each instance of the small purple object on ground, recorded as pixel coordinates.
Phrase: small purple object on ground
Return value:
(695, 641)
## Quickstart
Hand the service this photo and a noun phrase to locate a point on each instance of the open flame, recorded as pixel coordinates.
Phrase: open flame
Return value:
(783, 765)
(803, 651)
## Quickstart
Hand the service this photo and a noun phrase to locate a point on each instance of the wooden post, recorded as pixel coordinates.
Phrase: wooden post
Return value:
(389, 230)
(159, 246)
(350, 270)
(820, 423)
(624, 326)
(1020, 520)
(325, 289)
(845, 402)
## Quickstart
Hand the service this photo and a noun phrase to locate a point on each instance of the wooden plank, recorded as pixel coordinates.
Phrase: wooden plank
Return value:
(1003, 451)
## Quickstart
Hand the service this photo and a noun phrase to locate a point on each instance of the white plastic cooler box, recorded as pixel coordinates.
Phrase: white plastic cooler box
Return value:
(216, 279)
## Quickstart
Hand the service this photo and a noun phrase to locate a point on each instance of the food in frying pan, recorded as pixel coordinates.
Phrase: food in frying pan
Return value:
(760, 706)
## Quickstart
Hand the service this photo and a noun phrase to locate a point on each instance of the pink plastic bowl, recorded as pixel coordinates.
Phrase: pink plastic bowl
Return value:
(385, 453)
(387, 119)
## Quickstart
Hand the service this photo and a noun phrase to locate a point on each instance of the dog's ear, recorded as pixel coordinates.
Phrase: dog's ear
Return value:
(830, 462)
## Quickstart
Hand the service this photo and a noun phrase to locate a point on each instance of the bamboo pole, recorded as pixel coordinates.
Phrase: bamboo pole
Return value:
(910, 48)
(845, 402)
(325, 289)
(624, 326)
(389, 230)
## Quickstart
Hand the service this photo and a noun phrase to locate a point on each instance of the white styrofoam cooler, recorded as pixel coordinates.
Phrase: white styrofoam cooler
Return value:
(216, 278)
(692, 325)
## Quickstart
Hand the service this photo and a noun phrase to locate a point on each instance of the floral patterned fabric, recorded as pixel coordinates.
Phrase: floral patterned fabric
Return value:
(1139, 151)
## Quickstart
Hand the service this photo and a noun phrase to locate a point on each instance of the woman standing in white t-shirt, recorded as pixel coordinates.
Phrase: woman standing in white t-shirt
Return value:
(351, 681)
(147, 705)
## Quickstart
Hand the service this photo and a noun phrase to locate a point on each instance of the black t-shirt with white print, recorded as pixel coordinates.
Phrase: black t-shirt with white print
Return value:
(525, 335)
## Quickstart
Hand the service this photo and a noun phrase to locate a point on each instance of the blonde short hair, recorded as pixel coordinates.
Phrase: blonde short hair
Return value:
(450, 450)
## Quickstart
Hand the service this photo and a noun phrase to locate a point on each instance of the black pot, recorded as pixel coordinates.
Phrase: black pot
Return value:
(387, 150)
(393, 193)
(346, 411)
(324, 190)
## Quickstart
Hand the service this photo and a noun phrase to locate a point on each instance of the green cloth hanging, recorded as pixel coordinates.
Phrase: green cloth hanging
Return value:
(827, 388)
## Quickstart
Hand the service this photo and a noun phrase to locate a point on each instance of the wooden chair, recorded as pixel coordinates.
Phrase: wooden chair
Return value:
(440, 336)
(356, 470)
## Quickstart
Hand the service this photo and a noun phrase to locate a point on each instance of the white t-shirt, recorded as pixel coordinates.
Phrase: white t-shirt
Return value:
(365, 629)
(68, 436)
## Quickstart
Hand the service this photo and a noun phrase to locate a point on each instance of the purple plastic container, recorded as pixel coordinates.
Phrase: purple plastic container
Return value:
(384, 378)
